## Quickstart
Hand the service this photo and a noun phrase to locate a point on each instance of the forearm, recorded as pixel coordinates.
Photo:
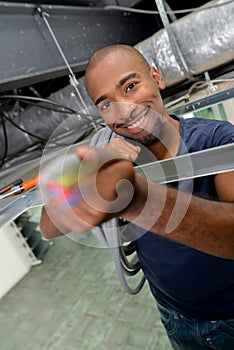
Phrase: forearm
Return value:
(202, 224)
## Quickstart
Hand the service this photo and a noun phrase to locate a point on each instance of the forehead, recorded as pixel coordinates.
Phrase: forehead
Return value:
(110, 70)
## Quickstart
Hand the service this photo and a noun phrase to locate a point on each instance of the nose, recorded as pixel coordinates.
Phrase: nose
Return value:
(123, 111)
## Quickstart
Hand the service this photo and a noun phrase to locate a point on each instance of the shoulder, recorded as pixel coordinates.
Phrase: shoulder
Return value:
(102, 137)
(209, 132)
(209, 123)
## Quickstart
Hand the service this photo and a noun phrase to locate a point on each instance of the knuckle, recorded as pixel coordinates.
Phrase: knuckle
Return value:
(118, 141)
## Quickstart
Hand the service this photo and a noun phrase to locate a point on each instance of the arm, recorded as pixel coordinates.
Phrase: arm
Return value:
(205, 225)
(47, 227)
(202, 224)
(100, 195)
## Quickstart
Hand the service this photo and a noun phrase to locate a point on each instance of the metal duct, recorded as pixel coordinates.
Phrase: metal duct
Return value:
(205, 39)
(42, 122)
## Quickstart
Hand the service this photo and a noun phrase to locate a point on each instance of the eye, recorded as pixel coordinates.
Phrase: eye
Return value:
(130, 86)
(105, 105)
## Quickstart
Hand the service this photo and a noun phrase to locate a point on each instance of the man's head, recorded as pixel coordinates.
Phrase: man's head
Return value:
(112, 50)
(126, 91)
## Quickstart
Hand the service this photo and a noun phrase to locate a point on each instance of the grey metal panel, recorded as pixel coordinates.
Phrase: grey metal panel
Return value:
(206, 162)
(209, 100)
(28, 53)
(188, 166)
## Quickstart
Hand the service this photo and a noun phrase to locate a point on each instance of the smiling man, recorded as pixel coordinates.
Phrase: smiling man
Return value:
(190, 279)
(127, 98)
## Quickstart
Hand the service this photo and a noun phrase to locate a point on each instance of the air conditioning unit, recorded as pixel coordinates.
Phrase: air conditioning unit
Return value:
(16, 257)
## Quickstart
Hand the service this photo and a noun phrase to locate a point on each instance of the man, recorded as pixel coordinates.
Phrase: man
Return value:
(194, 288)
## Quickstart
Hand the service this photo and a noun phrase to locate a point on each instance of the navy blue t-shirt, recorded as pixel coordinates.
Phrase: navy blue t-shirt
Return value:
(193, 283)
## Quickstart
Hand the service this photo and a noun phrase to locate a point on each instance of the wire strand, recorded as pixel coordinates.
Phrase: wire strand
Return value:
(67, 110)
(22, 129)
(150, 12)
(5, 141)
(38, 99)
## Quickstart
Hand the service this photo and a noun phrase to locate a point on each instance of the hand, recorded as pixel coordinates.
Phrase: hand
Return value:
(103, 194)
(126, 149)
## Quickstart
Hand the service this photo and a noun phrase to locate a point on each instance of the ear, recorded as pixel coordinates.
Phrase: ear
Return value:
(156, 76)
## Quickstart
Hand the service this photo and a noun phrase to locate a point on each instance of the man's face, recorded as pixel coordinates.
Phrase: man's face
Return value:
(127, 94)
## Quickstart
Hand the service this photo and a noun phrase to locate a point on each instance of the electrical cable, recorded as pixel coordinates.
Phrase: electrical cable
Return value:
(5, 141)
(67, 110)
(45, 107)
(89, 129)
(201, 84)
(22, 158)
(129, 249)
(184, 98)
(54, 144)
(25, 154)
(38, 99)
(112, 237)
(110, 231)
(150, 12)
(135, 266)
(23, 130)
(222, 80)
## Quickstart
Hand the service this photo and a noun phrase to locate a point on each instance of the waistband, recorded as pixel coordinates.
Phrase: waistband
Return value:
(178, 315)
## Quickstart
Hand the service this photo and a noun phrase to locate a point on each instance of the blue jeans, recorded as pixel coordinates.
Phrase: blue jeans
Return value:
(192, 334)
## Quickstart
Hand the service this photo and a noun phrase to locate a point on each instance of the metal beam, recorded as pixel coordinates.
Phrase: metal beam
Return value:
(201, 103)
(29, 54)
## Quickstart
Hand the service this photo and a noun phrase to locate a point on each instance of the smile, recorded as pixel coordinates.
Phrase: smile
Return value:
(134, 121)
(137, 124)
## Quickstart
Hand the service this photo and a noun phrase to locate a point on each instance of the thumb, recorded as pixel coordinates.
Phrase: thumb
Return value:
(82, 151)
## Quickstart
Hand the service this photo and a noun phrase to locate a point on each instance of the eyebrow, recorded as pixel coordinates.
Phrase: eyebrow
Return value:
(100, 99)
(120, 83)
(125, 79)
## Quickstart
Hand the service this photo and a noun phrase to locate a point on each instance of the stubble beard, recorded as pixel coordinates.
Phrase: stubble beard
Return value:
(153, 136)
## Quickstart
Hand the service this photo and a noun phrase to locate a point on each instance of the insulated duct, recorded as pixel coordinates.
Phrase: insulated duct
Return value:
(204, 37)
(41, 122)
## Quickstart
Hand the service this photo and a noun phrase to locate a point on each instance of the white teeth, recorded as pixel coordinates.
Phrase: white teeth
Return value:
(137, 124)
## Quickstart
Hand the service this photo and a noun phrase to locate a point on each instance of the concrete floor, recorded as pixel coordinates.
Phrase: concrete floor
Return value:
(73, 300)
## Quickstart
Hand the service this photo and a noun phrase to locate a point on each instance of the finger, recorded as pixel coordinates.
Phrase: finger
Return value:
(82, 151)
(96, 158)
(119, 142)
(126, 149)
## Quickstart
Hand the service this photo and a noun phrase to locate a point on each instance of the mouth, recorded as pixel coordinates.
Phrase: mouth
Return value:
(135, 121)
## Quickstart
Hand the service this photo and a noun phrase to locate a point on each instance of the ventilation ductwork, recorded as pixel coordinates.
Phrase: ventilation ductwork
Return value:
(204, 38)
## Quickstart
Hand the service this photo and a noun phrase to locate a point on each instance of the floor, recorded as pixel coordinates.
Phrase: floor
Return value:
(73, 300)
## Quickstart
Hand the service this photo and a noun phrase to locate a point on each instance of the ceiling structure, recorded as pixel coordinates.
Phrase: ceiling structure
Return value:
(46, 46)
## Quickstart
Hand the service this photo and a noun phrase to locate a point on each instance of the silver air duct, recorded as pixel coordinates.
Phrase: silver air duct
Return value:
(205, 39)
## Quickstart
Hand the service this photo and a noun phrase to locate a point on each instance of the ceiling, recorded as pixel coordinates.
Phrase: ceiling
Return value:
(38, 36)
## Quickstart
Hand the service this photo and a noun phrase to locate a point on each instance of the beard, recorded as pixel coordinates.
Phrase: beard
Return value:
(154, 135)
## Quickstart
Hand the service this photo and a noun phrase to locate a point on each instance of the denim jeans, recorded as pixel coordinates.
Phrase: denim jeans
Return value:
(192, 334)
